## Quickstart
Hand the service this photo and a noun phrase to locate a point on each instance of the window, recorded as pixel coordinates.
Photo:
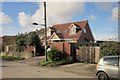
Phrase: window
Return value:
(72, 30)
(113, 61)
(65, 30)
(48, 33)
(84, 30)
(58, 31)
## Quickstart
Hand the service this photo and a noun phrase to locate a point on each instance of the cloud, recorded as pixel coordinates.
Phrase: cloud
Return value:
(104, 5)
(24, 20)
(106, 37)
(2, 0)
(115, 14)
(4, 19)
(56, 13)
(38, 16)
(92, 17)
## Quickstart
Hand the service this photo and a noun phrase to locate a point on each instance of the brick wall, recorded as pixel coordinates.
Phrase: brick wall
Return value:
(63, 46)
(30, 48)
(11, 50)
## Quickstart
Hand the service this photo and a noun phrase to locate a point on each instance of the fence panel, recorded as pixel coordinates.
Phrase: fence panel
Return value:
(87, 54)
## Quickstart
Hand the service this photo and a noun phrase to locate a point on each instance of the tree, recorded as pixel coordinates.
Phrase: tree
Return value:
(20, 41)
(30, 39)
(33, 39)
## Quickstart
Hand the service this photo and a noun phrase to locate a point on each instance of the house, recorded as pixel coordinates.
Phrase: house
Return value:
(6, 41)
(73, 32)
(40, 33)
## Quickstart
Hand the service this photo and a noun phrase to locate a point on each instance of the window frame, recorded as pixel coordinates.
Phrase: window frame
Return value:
(72, 30)
(112, 62)
(84, 30)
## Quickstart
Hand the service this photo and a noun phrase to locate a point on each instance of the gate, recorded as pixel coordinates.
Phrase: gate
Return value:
(87, 54)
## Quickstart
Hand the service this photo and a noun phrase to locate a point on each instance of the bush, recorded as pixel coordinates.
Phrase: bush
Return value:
(11, 58)
(56, 55)
(69, 59)
(55, 58)
(109, 48)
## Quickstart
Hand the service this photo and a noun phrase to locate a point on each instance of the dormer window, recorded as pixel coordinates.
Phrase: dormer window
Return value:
(84, 30)
(72, 30)
(65, 30)
(49, 32)
(58, 31)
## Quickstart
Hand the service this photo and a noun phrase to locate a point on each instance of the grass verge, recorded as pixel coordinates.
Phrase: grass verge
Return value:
(54, 63)
(11, 58)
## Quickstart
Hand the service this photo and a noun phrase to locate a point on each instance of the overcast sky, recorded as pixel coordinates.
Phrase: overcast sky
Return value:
(19, 16)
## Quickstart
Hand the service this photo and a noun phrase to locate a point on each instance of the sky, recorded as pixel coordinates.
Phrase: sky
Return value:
(17, 17)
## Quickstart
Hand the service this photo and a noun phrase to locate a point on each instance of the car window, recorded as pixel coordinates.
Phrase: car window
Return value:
(113, 61)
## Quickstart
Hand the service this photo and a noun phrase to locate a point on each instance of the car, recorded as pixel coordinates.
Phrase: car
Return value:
(108, 68)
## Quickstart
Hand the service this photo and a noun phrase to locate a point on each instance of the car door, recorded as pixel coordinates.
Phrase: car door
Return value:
(111, 66)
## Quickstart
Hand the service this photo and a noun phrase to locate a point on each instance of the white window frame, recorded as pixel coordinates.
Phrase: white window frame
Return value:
(72, 30)
(84, 30)
(48, 33)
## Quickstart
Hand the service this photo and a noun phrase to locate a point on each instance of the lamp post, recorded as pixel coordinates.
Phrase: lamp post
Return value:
(45, 30)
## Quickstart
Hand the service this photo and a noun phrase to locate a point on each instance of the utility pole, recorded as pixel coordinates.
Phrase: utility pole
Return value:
(45, 24)
(45, 30)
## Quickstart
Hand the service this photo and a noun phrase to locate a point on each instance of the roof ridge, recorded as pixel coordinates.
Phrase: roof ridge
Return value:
(69, 22)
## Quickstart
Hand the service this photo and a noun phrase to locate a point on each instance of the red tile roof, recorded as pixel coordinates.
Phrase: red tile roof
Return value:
(8, 37)
(63, 30)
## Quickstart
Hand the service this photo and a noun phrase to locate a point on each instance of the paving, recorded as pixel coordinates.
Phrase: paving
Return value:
(78, 68)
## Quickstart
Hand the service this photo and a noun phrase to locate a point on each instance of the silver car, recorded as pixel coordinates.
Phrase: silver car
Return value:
(108, 68)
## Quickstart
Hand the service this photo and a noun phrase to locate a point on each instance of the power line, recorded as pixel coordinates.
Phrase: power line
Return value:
(59, 13)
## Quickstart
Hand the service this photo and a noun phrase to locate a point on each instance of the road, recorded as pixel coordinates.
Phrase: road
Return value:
(21, 70)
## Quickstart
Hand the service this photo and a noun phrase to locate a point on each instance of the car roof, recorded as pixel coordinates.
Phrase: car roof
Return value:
(111, 56)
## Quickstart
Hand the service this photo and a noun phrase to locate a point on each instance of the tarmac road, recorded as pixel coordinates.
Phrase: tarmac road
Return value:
(19, 70)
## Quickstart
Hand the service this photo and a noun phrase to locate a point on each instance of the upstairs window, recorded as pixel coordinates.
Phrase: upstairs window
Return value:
(72, 30)
(84, 30)
(58, 31)
(65, 30)
(49, 33)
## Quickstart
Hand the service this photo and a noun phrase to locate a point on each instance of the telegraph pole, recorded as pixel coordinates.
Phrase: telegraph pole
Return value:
(45, 31)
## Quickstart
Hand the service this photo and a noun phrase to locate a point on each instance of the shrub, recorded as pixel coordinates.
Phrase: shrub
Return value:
(55, 58)
(109, 48)
(56, 55)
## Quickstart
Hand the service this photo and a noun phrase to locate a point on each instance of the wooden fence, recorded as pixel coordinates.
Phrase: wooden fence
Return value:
(87, 54)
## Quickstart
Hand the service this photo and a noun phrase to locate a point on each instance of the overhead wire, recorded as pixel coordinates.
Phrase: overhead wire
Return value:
(58, 13)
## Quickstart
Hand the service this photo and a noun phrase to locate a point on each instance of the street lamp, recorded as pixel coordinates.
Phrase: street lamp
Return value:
(45, 39)
(38, 24)
(45, 30)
